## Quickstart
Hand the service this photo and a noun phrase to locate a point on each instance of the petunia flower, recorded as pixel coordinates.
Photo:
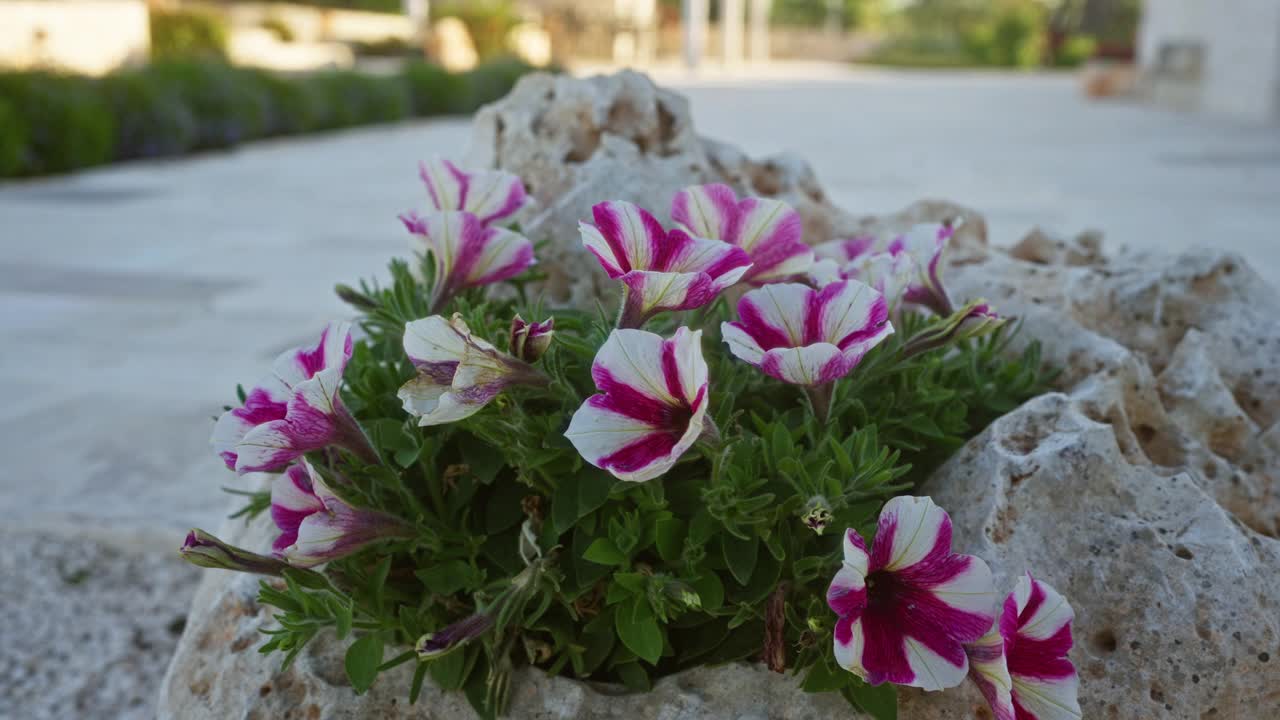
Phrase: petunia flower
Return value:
(458, 373)
(652, 404)
(1021, 664)
(317, 526)
(661, 270)
(464, 252)
(294, 410)
(529, 340)
(769, 230)
(490, 195)
(925, 245)
(452, 637)
(907, 606)
(805, 336)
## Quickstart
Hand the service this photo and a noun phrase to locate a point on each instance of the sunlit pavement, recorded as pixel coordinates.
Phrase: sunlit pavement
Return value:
(135, 297)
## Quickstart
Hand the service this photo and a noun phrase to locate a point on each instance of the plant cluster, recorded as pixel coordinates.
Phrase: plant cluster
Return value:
(53, 123)
(480, 484)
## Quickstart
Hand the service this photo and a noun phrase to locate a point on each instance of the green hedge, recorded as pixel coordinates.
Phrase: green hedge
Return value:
(51, 123)
(184, 34)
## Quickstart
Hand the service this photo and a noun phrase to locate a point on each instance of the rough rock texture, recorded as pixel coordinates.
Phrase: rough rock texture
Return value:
(1147, 490)
(89, 625)
(620, 137)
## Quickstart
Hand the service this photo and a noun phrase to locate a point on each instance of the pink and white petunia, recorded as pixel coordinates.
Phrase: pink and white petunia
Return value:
(661, 270)
(805, 336)
(529, 340)
(769, 230)
(294, 410)
(464, 252)
(458, 373)
(925, 245)
(317, 526)
(907, 606)
(490, 195)
(1021, 665)
(904, 267)
(652, 404)
(971, 321)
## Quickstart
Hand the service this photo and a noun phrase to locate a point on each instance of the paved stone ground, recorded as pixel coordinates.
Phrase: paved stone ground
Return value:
(135, 297)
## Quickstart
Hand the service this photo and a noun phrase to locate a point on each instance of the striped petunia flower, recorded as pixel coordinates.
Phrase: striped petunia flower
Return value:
(907, 605)
(903, 267)
(490, 195)
(458, 373)
(971, 321)
(294, 410)
(926, 245)
(529, 340)
(769, 230)
(805, 336)
(652, 404)
(317, 526)
(1021, 664)
(205, 550)
(464, 252)
(661, 270)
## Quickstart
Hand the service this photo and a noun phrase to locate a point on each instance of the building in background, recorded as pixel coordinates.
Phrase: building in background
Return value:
(1222, 57)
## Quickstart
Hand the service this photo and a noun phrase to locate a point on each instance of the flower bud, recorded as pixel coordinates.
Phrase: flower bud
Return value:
(682, 593)
(530, 340)
(436, 644)
(971, 321)
(207, 551)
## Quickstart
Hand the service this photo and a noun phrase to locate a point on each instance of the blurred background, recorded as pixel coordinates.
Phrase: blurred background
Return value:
(182, 183)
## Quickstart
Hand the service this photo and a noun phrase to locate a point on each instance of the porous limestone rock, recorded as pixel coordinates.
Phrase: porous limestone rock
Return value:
(1175, 601)
(577, 142)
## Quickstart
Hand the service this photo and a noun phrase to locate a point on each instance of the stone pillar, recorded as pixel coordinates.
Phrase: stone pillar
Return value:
(759, 41)
(732, 31)
(695, 31)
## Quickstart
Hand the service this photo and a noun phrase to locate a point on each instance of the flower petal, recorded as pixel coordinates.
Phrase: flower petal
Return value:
(774, 315)
(847, 593)
(445, 183)
(988, 671)
(493, 195)
(292, 500)
(1045, 683)
(332, 351)
(932, 670)
(741, 344)
(261, 405)
(770, 232)
(632, 236)
(809, 365)
(853, 316)
(633, 358)
(468, 254)
(705, 210)
(1036, 699)
(855, 551)
(500, 255)
(630, 449)
(850, 645)
(843, 251)
(266, 448)
(910, 530)
(434, 341)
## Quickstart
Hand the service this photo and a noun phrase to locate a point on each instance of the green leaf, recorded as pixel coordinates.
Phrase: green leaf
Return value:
(740, 556)
(878, 701)
(363, 658)
(668, 535)
(638, 629)
(578, 495)
(415, 689)
(710, 590)
(485, 460)
(823, 678)
(634, 677)
(449, 671)
(449, 577)
(603, 552)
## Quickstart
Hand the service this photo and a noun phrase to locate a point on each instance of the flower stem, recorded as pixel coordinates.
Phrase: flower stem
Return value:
(630, 314)
(820, 401)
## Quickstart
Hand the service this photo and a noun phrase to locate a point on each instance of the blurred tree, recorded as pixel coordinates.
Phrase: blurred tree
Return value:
(816, 13)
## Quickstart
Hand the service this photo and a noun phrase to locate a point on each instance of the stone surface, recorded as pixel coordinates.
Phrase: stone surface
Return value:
(54, 664)
(1175, 601)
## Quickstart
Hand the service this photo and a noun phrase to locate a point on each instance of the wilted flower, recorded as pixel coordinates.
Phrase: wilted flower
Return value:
(529, 340)
(907, 606)
(207, 551)
(317, 526)
(1021, 664)
(458, 373)
(652, 406)
(769, 230)
(661, 270)
(490, 195)
(817, 514)
(294, 410)
(805, 336)
(465, 253)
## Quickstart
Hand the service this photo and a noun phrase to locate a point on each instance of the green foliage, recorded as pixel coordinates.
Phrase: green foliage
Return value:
(1074, 51)
(487, 21)
(590, 577)
(65, 121)
(187, 34)
(55, 123)
(961, 33)
(851, 14)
